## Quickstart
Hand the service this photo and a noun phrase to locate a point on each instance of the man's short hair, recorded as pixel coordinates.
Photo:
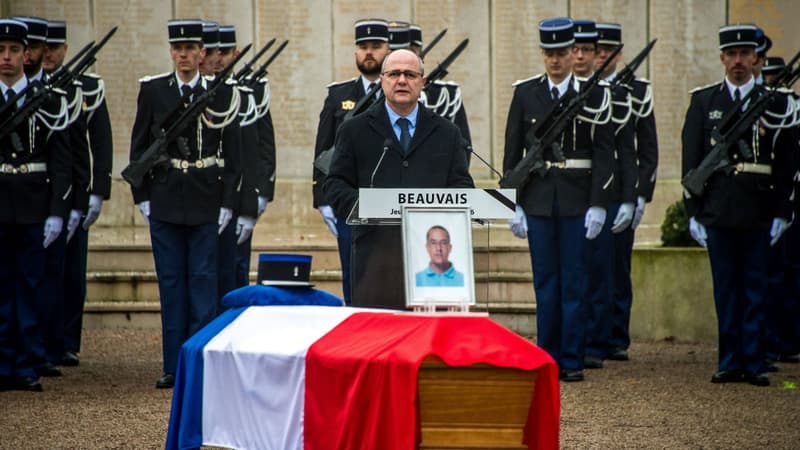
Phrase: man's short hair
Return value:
(436, 227)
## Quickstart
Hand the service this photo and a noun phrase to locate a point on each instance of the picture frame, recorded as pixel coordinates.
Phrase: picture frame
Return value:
(438, 273)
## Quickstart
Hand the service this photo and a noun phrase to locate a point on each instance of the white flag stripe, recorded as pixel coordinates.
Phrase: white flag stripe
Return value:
(262, 347)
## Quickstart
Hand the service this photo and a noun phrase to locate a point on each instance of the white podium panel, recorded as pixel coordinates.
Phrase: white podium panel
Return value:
(482, 203)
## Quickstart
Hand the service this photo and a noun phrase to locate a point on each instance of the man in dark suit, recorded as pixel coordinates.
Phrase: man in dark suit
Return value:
(372, 46)
(744, 208)
(35, 179)
(189, 203)
(567, 205)
(394, 144)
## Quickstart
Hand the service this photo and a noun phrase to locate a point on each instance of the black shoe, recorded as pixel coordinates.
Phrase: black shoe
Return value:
(167, 381)
(618, 354)
(48, 370)
(70, 359)
(791, 359)
(725, 376)
(592, 362)
(771, 367)
(570, 375)
(21, 384)
(759, 379)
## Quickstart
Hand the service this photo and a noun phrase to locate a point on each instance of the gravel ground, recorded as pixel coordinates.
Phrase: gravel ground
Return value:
(661, 399)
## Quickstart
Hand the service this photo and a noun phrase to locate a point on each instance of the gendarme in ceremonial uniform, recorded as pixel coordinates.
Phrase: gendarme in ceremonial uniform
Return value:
(189, 200)
(744, 205)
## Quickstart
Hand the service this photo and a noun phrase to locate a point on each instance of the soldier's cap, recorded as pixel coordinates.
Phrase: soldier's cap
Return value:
(764, 42)
(372, 30)
(609, 33)
(773, 65)
(227, 36)
(399, 36)
(13, 30)
(556, 33)
(740, 35)
(210, 34)
(185, 30)
(37, 27)
(56, 32)
(415, 34)
(585, 31)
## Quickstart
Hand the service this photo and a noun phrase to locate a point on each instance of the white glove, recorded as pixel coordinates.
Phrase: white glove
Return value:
(244, 228)
(330, 219)
(623, 219)
(95, 205)
(698, 232)
(519, 223)
(262, 205)
(144, 207)
(779, 225)
(639, 213)
(72, 223)
(225, 216)
(595, 218)
(52, 228)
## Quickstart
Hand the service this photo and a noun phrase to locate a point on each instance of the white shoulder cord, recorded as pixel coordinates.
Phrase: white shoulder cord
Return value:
(263, 106)
(605, 107)
(444, 99)
(645, 105)
(791, 111)
(74, 106)
(99, 95)
(628, 108)
(454, 106)
(58, 121)
(227, 116)
(249, 116)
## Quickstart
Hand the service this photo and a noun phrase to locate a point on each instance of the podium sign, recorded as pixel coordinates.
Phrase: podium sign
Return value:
(482, 203)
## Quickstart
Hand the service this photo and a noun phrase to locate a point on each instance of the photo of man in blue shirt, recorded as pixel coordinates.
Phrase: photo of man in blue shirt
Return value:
(440, 271)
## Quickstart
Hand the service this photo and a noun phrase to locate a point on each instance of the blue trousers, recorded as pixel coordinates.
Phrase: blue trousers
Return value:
(243, 262)
(560, 261)
(186, 265)
(50, 304)
(345, 240)
(75, 289)
(22, 263)
(783, 296)
(739, 271)
(620, 314)
(600, 289)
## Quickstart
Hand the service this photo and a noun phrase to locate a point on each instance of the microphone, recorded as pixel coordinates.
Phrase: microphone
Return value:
(386, 144)
(468, 146)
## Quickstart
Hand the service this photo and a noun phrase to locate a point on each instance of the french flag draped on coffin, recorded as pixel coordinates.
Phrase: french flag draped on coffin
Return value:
(327, 378)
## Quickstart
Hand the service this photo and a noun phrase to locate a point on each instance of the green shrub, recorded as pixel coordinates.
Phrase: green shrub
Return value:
(675, 229)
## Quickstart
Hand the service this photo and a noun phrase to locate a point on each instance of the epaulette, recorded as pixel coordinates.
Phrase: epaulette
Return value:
(446, 83)
(337, 83)
(209, 77)
(785, 90)
(603, 83)
(92, 75)
(535, 77)
(244, 88)
(702, 88)
(150, 78)
(230, 81)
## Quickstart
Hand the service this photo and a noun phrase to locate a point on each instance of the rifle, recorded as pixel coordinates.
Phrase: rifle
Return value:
(247, 69)
(626, 76)
(440, 71)
(38, 93)
(156, 153)
(725, 135)
(432, 44)
(544, 134)
(262, 70)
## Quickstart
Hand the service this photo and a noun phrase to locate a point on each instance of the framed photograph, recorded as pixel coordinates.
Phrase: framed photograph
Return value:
(437, 252)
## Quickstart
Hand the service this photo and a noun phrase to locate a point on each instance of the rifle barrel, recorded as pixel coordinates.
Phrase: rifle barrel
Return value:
(432, 44)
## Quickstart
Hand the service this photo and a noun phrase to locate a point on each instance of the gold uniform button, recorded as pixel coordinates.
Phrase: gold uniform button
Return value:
(184, 165)
(23, 169)
(199, 164)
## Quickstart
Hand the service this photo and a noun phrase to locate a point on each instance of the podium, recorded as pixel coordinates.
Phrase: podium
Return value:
(435, 229)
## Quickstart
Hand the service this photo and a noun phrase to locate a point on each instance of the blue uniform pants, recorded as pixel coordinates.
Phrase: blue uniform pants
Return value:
(620, 314)
(75, 289)
(600, 290)
(50, 304)
(783, 296)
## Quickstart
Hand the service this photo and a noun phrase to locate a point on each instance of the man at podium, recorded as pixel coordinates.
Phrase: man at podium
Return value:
(394, 144)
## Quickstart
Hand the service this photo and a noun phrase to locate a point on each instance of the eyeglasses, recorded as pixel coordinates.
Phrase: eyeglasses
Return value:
(583, 49)
(409, 74)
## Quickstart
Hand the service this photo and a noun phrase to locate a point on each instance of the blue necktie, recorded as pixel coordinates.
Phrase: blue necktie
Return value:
(405, 135)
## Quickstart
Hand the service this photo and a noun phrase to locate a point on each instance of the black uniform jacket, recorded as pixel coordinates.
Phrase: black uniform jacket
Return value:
(734, 199)
(192, 196)
(575, 189)
(644, 126)
(98, 124)
(433, 92)
(81, 160)
(251, 155)
(32, 196)
(266, 145)
(626, 173)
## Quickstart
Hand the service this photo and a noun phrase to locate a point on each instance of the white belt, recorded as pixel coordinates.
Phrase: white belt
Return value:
(23, 168)
(764, 169)
(570, 164)
(198, 164)
(221, 162)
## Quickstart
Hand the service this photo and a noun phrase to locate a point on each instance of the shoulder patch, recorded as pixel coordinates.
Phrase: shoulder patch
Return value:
(149, 78)
(337, 83)
(703, 88)
(535, 77)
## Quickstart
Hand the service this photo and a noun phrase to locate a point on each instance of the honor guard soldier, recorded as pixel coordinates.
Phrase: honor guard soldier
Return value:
(36, 178)
(37, 35)
(620, 209)
(764, 45)
(443, 97)
(741, 204)
(188, 202)
(642, 123)
(567, 204)
(372, 45)
(93, 123)
(210, 63)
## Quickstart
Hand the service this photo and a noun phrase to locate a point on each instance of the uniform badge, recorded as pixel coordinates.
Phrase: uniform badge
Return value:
(761, 131)
(347, 105)
(715, 115)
